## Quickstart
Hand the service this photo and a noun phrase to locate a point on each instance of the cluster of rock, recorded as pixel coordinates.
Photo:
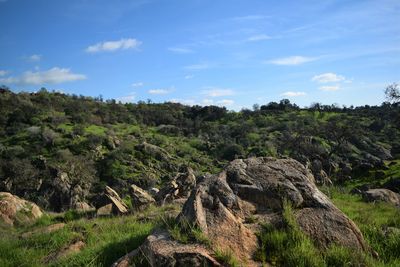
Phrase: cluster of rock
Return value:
(15, 210)
(221, 205)
(257, 187)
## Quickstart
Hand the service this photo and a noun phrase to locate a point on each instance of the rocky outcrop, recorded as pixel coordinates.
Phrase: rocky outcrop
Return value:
(140, 198)
(320, 175)
(160, 250)
(381, 194)
(15, 210)
(178, 188)
(259, 187)
(111, 202)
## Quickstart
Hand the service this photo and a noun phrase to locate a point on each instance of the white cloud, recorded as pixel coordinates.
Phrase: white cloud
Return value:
(197, 67)
(258, 37)
(189, 102)
(158, 91)
(51, 76)
(180, 50)
(34, 58)
(138, 84)
(291, 61)
(225, 102)
(250, 17)
(110, 46)
(217, 92)
(328, 78)
(293, 94)
(3, 72)
(187, 77)
(126, 99)
(330, 88)
(207, 101)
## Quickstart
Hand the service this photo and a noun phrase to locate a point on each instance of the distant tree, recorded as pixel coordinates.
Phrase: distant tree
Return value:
(392, 93)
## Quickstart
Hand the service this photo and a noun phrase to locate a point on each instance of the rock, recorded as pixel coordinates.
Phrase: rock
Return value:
(110, 196)
(64, 193)
(381, 194)
(45, 230)
(178, 188)
(65, 251)
(320, 175)
(219, 205)
(154, 191)
(83, 207)
(393, 185)
(106, 210)
(140, 198)
(154, 151)
(160, 250)
(17, 210)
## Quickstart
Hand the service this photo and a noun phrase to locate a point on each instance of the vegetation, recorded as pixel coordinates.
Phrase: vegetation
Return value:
(56, 149)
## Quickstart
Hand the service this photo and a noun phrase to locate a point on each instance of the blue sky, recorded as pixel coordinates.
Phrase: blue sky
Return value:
(233, 53)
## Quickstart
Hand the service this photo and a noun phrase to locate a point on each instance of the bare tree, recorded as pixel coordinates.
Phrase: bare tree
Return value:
(392, 93)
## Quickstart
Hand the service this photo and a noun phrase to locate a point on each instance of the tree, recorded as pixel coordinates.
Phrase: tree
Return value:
(392, 92)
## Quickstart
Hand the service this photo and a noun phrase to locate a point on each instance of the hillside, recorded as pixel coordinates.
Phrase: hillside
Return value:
(60, 151)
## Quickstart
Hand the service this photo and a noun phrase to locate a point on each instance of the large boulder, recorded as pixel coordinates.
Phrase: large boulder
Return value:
(15, 210)
(259, 187)
(381, 194)
(160, 250)
(178, 188)
(140, 198)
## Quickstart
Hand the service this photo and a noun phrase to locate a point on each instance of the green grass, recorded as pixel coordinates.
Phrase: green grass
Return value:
(96, 130)
(373, 219)
(106, 240)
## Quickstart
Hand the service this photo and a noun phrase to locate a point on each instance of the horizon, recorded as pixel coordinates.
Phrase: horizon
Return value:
(202, 52)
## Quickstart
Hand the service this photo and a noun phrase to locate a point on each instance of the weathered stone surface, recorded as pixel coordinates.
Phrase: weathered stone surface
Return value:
(83, 207)
(110, 196)
(160, 250)
(381, 194)
(106, 210)
(140, 198)
(17, 210)
(45, 230)
(178, 188)
(65, 251)
(259, 186)
(320, 175)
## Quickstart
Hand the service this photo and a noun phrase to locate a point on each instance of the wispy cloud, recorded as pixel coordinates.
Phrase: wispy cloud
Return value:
(138, 84)
(52, 76)
(189, 102)
(330, 88)
(159, 91)
(217, 92)
(3, 72)
(293, 94)
(188, 77)
(180, 50)
(110, 46)
(34, 58)
(225, 102)
(249, 17)
(328, 78)
(258, 37)
(291, 61)
(127, 99)
(201, 66)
